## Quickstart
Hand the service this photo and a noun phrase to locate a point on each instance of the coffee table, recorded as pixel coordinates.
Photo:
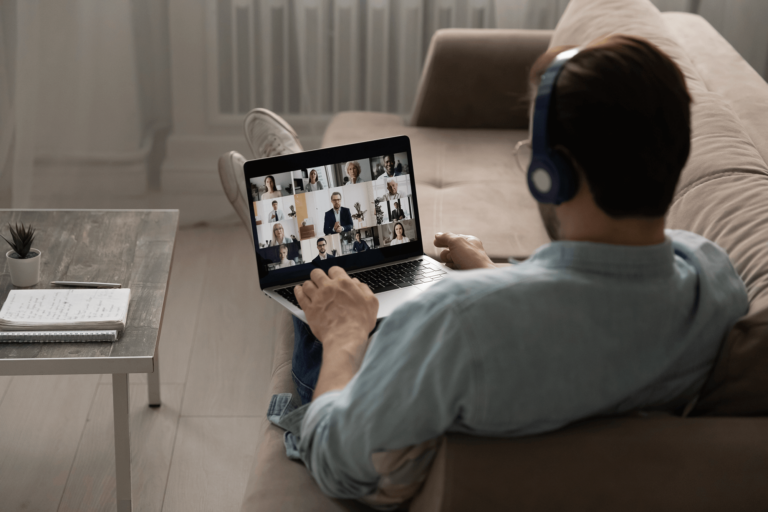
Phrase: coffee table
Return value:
(130, 247)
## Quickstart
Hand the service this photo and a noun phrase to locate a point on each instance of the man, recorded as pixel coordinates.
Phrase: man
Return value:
(397, 212)
(338, 219)
(321, 249)
(275, 215)
(399, 168)
(359, 245)
(389, 168)
(615, 315)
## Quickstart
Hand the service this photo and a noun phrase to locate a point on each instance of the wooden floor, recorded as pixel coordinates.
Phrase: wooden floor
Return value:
(192, 454)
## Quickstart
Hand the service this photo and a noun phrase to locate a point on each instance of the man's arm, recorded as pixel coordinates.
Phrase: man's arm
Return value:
(406, 388)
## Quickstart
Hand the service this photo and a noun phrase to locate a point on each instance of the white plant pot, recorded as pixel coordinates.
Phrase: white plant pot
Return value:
(26, 272)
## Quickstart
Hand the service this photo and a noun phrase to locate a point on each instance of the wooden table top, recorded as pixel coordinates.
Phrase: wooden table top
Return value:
(130, 247)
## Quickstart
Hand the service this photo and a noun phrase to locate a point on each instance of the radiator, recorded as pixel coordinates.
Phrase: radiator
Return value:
(316, 57)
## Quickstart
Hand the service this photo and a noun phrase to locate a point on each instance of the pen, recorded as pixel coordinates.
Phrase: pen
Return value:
(87, 285)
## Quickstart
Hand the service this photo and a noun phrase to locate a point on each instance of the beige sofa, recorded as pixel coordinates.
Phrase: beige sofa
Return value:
(469, 113)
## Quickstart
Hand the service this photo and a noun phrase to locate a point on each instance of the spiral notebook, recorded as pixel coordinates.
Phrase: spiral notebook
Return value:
(64, 315)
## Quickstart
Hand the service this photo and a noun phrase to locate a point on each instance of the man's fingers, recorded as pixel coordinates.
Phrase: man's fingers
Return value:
(319, 278)
(337, 273)
(301, 297)
(445, 256)
(309, 289)
(443, 239)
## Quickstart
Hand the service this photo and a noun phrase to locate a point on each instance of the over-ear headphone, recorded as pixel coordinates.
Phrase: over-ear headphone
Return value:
(551, 177)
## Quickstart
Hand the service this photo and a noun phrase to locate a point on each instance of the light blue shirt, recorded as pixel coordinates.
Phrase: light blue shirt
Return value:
(580, 329)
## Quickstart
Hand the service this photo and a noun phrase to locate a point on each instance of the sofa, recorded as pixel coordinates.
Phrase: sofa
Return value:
(471, 109)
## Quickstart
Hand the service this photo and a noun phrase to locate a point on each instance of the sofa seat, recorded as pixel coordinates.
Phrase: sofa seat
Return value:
(468, 181)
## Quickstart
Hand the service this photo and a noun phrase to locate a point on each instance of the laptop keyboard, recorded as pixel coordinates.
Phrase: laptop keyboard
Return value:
(385, 279)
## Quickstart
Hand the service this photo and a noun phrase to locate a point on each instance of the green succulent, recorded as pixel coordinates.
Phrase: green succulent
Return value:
(22, 239)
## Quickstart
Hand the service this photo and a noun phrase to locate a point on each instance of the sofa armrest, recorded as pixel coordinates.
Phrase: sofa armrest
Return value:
(478, 78)
(659, 462)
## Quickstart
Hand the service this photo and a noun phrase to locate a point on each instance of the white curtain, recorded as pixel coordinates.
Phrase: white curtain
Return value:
(85, 85)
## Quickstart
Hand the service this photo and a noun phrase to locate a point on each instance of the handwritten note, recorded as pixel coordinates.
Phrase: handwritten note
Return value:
(65, 308)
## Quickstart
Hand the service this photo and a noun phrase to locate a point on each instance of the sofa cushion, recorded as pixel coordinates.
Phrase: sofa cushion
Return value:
(722, 193)
(467, 181)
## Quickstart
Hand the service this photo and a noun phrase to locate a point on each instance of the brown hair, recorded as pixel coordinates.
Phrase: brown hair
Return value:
(621, 109)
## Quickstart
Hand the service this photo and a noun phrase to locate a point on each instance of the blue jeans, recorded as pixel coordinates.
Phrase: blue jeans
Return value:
(307, 358)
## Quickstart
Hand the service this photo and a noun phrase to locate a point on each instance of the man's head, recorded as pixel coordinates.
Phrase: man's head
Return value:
(357, 236)
(321, 244)
(389, 164)
(283, 252)
(620, 113)
(392, 187)
(397, 205)
(274, 205)
(336, 200)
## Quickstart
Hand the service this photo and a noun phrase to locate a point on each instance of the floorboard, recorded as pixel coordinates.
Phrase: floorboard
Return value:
(232, 351)
(91, 484)
(41, 422)
(211, 463)
(5, 381)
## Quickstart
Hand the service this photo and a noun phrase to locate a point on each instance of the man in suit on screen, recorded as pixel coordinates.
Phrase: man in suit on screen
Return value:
(338, 218)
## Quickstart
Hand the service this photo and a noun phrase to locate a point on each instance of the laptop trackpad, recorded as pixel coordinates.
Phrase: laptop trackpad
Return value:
(389, 301)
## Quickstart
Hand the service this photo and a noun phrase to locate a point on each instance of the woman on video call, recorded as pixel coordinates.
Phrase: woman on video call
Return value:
(353, 171)
(400, 237)
(284, 261)
(314, 185)
(278, 235)
(272, 192)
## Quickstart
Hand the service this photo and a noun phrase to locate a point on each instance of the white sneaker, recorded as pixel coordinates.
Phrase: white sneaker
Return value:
(268, 134)
(232, 176)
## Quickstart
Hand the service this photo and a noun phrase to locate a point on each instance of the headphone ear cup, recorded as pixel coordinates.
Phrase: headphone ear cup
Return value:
(569, 178)
(552, 179)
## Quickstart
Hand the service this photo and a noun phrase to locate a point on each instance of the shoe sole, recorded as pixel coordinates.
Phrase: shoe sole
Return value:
(279, 120)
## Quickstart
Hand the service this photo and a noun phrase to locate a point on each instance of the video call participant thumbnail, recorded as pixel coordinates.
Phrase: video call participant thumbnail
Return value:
(314, 184)
(321, 249)
(284, 261)
(276, 214)
(390, 171)
(353, 172)
(397, 212)
(400, 237)
(359, 245)
(278, 235)
(338, 218)
(272, 192)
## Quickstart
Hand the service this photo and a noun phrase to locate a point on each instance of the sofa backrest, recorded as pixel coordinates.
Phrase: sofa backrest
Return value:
(471, 79)
(723, 190)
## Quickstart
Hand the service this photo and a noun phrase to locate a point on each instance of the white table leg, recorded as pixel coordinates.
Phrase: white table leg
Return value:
(153, 380)
(122, 441)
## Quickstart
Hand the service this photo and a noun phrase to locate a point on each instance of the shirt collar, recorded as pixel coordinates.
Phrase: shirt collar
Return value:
(643, 261)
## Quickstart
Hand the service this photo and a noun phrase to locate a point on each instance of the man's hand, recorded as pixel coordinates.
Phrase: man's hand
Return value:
(337, 306)
(337, 227)
(341, 313)
(463, 252)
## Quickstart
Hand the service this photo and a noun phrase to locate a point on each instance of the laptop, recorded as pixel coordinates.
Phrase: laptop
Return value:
(353, 206)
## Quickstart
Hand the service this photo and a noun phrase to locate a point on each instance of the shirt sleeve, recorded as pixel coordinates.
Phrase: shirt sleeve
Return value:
(416, 380)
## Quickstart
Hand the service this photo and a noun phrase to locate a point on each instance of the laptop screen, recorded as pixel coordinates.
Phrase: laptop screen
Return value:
(352, 206)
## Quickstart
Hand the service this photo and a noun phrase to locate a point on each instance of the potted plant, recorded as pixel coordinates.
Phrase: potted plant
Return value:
(23, 259)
